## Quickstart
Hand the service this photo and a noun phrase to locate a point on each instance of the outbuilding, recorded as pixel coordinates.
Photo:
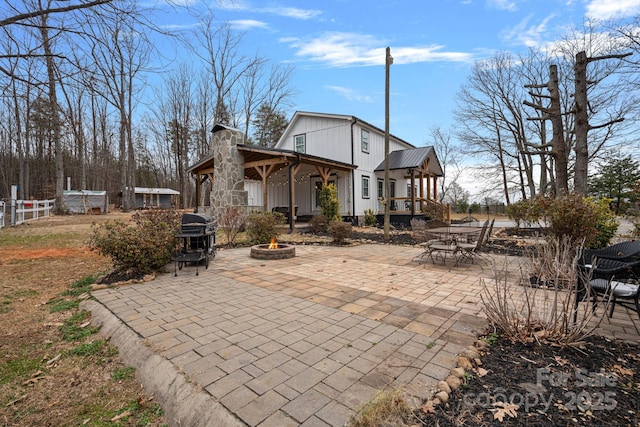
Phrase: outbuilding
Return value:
(155, 198)
(86, 202)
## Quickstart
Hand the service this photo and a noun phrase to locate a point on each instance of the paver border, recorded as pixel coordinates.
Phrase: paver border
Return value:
(183, 402)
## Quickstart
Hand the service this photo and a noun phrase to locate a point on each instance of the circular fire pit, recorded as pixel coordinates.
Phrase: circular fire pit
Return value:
(282, 251)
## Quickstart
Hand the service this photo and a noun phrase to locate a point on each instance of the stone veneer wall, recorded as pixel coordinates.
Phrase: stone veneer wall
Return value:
(227, 188)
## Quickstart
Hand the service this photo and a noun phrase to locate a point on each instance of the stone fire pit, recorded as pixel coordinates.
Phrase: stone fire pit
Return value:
(282, 251)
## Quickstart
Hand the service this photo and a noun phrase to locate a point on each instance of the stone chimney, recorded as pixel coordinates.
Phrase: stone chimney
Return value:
(227, 188)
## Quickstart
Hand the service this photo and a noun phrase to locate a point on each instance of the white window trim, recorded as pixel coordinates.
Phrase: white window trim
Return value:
(304, 143)
(364, 132)
(368, 188)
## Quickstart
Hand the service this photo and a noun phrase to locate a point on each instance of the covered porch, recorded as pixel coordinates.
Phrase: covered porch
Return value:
(278, 180)
(419, 169)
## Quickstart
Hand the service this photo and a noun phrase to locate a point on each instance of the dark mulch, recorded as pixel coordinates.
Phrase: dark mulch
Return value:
(594, 385)
(597, 384)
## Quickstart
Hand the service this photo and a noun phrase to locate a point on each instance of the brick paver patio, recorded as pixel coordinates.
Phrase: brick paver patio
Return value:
(306, 341)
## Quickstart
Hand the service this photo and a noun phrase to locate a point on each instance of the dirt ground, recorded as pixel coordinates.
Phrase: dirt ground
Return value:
(46, 380)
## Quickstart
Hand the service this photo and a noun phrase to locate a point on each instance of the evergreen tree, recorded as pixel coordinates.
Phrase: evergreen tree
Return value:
(618, 180)
(269, 126)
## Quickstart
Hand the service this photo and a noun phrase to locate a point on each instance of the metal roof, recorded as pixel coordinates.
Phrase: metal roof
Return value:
(412, 158)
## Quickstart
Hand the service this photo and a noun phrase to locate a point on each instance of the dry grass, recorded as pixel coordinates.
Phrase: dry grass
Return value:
(53, 371)
(389, 409)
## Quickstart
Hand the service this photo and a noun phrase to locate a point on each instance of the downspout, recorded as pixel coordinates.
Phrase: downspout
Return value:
(292, 210)
(353, 178)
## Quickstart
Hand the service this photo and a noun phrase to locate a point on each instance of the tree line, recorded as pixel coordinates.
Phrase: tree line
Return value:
(83, 97)
(73, 75)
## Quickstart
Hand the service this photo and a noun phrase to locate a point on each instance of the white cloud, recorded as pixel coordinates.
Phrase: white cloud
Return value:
(293, 12)
(503, 5)
(247, 24)
(525, 34)
(286, 11)
(608, 9)
(352, 49)
(350, 94)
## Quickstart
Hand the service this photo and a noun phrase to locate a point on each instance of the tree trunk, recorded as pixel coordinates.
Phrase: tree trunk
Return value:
(55, 123)
(581, 124)
(559, 147)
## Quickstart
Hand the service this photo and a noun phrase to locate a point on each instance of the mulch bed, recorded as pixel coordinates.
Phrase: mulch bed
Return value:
(597, 384)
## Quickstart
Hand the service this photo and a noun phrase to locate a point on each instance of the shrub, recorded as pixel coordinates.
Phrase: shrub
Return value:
(606, 222)
(527, 313)
(262, 226)
(329, 203)
(232, 221)
(582, 219)
(140, 248)
(518, 211)
(571, 216)
(339, 230)
(318, 224)
(369, 217)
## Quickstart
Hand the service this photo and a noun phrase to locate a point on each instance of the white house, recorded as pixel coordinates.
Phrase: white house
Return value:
(317, 149)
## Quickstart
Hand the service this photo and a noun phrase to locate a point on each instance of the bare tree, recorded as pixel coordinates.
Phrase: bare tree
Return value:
(450, 156)
(120, 54)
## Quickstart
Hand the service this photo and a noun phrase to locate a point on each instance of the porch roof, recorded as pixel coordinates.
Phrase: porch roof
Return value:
(259, 156)
(413, 158)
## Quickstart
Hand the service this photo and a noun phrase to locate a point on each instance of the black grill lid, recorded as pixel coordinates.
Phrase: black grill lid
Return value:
(196, 218)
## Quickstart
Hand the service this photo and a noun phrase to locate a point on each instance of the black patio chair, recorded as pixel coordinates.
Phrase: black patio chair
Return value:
(625, 251)
(618, 280)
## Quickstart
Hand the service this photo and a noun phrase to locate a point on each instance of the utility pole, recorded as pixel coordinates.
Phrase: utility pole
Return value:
(387, 184)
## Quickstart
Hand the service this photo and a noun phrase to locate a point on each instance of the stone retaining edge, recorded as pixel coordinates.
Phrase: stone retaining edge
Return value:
(184, 404)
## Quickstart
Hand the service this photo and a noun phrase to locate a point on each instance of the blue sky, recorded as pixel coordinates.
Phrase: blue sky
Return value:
(337, 48)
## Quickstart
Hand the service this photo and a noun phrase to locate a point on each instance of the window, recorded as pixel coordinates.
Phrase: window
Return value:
(300, 143)
(364, 140)
(365, 187)
(380, 188)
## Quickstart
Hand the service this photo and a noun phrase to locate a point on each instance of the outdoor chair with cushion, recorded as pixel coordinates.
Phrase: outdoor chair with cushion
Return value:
(618, 280)
(625, 251)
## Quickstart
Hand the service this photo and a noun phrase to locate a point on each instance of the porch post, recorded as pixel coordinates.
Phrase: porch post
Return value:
(435, 188)
(413, 193)
(293, 170)
(428, 187)
(421, 190)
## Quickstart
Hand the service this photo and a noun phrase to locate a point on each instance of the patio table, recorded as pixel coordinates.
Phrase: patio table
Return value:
(453, 233)
(447, 238)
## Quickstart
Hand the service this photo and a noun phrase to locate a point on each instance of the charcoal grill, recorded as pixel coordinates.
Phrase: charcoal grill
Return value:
(198, 236)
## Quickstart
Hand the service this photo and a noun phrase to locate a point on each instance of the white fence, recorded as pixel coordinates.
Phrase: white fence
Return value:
(16, 212)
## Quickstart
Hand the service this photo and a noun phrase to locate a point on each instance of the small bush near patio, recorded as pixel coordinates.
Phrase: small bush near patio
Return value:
(232, 222)
(141, 247)
(262, 226)
(369, 218)
(318, 224)
(541, 307)
(570, 215)
(339, 230)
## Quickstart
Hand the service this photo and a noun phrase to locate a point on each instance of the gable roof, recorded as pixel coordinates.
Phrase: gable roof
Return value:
(345, 117)
(412, 158)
